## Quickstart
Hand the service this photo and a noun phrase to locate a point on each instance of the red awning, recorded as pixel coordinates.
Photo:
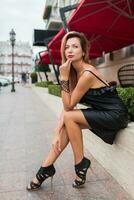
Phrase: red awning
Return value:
(44, 58)
(55, 56)
(108, 25)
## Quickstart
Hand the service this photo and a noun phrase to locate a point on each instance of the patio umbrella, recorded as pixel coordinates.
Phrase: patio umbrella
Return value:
(108, 25)
(44, 57)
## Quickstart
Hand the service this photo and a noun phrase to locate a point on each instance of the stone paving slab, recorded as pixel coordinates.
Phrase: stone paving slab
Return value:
(26, 131)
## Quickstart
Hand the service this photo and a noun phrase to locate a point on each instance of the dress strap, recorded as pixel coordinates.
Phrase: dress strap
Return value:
(98, 77)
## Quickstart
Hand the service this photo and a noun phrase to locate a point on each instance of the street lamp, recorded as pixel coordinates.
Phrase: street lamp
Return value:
(12, 40)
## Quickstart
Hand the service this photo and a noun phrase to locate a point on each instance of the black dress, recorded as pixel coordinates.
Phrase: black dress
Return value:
(107, 114)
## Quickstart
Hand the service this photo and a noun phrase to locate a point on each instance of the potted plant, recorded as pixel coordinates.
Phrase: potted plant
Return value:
(34, 77)
(127, 95)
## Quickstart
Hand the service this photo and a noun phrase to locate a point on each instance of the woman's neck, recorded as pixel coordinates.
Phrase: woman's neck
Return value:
(78, 66)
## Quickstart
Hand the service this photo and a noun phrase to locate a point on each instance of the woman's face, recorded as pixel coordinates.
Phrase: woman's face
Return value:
(73, 50)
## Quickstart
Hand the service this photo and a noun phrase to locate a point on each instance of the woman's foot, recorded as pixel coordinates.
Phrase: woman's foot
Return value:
(41, 176)
(81, 171)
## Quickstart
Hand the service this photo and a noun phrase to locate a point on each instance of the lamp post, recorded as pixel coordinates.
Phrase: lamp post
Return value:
(12, 40)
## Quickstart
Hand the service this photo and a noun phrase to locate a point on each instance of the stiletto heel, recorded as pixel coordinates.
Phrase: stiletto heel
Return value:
(52, 183)
(41, 176)
(91, 169)
(81, 171)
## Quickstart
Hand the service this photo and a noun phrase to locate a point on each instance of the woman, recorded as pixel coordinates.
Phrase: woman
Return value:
(81, 82)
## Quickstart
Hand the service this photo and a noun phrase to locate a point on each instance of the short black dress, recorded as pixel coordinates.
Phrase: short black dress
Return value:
(107, 114)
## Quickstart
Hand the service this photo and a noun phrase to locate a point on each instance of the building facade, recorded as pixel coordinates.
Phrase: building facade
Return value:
(110, 63)
(22, 57)
(51, 13)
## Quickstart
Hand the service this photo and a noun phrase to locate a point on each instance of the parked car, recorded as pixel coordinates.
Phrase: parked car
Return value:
(16, 79)
(9, 78)
(4, 82)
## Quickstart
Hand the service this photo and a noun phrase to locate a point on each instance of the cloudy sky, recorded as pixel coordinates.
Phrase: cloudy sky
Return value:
(23, 16)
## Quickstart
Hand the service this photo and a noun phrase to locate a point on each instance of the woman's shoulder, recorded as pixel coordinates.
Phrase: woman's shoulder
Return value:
(97, 78)
(89, 69)
(86, 74)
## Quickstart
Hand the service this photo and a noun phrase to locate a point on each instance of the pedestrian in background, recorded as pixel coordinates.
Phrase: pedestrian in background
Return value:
(81, 82)
(23, 78)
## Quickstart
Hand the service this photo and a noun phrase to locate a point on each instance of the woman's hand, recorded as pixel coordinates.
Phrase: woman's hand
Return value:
(65, 70)
(57, 141)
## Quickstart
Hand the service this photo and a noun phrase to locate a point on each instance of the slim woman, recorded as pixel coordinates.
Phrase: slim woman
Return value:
(81, 82)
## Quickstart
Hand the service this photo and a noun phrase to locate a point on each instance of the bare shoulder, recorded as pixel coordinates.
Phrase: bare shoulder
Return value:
(90, 67)
(88, 70)
(85, 81)
(86, 75)
(92, 73)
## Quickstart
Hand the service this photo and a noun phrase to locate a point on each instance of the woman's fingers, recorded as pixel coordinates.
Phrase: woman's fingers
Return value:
(59, 145)
(56, 146)
(55, 149)
(65, 69)
(69, 62)
(66, 64)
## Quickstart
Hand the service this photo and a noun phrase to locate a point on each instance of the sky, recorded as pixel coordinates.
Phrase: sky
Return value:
(23, 16)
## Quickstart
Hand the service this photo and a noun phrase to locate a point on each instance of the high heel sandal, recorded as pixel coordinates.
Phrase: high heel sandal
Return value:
(81, 170)
(42, 175)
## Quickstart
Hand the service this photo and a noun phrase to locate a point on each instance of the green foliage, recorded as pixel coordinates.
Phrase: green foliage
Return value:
(34, 77)
(43, 83)
(54, 89)
(42, 68)
(127, 95)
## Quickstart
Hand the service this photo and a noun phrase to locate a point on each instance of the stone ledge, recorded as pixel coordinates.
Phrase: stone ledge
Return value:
(125, 138)
(116, 159)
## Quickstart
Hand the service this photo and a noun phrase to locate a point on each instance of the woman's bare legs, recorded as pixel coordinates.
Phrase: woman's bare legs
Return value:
(73, 121)
(53, 155)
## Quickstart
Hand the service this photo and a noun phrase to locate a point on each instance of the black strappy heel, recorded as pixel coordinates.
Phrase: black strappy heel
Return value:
(81, 170)
(42, 175)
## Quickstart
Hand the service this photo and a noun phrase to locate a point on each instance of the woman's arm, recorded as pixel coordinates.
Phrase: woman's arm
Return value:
(84, 83)
(71, 99)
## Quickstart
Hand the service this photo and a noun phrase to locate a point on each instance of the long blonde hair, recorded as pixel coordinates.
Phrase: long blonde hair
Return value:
(85, 48)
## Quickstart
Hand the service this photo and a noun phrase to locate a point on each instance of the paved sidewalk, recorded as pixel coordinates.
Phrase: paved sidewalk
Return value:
(26, 131)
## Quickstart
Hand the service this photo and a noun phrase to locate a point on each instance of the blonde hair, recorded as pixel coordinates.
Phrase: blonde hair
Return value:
(85, 48)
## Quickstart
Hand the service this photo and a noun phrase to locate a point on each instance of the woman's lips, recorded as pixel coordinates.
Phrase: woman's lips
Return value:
(70, 56)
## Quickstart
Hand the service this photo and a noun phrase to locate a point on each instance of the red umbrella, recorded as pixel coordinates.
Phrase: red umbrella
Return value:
(55, 56)
(44, 58)
(108, 25)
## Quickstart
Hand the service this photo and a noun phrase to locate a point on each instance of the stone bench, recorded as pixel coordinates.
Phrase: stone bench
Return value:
(117, 159)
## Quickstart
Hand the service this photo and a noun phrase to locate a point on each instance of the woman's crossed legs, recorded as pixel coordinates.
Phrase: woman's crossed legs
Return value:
(74, 121)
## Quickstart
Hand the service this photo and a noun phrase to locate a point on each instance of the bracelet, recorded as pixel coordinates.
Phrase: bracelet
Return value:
(65, 86)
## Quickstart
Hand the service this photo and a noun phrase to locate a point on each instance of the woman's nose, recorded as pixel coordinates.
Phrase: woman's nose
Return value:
(70, 49)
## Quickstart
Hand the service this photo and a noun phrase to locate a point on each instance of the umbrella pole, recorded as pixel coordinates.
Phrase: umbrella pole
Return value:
(63, 17)
(51, 60)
